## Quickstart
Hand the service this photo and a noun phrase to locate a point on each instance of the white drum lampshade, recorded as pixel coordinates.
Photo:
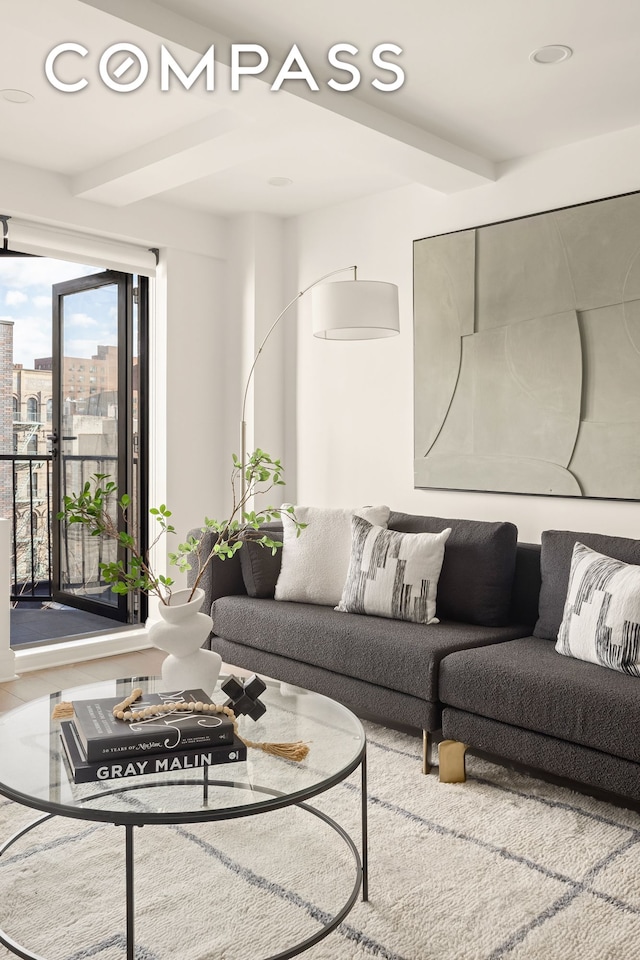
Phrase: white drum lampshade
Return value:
(355, 310)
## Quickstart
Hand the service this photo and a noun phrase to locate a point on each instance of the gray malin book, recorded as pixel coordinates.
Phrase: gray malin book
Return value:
(85, 772)
(103, 736)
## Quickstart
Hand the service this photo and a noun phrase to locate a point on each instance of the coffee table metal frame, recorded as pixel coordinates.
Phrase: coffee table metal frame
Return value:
(131, 819)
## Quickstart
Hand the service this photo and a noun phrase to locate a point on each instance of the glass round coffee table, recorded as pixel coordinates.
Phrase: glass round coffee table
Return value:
(34, 772)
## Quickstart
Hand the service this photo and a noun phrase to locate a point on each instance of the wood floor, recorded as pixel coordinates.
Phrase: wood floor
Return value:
(40, 683)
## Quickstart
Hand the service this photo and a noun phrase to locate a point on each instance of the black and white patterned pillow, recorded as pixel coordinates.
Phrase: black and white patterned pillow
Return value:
(393, 574)
(601, 621)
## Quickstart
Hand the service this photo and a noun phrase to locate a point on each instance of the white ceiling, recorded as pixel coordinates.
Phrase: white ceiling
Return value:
(471, 98)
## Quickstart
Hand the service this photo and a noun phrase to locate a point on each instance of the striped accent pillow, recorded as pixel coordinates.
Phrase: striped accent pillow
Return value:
(393, 574)
(601, 620)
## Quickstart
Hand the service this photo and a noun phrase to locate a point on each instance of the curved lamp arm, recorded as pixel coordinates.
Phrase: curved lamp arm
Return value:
(243, 424)
(279, 318)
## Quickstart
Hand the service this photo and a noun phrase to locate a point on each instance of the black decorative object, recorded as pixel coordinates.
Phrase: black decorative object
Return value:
(244, 695)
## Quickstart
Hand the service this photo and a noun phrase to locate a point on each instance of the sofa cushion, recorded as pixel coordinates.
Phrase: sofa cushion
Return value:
(555, 564)
(601, 620)
(391, 653)
(393, 574)
(315, 564)
(527, 684)
(477, 572)
(261, 567)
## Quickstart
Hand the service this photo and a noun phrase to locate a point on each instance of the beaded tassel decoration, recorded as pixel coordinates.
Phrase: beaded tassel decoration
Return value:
(290, 751)
(62, 710)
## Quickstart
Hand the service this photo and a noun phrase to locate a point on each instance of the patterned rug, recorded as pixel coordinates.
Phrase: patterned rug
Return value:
(503, 866)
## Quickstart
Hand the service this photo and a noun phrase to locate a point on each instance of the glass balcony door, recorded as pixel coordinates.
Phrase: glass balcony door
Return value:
(92, 432)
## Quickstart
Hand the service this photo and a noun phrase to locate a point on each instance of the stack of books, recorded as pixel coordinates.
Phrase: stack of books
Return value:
(98, 746)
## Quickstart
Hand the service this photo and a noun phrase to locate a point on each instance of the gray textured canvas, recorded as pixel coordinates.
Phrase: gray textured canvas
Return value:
(534, 386)
(444, 291)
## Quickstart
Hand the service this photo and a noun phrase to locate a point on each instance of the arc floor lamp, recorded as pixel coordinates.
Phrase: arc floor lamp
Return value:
(343, 310)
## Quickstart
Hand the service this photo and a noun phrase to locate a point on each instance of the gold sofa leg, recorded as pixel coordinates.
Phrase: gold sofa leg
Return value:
(452, 761)
(425, 752)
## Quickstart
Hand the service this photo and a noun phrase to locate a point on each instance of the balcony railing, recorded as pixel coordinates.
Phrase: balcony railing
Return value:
(26, 500)
(25, 480)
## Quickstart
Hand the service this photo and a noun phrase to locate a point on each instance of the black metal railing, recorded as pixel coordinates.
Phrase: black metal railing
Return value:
(25, 482)
(26, 499)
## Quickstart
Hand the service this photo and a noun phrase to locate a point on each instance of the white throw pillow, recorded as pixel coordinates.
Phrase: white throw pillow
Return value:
(393, 574)
(314, 565)
(601, 621)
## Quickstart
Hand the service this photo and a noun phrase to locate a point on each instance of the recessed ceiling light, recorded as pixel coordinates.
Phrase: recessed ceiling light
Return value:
(16, 96)
(553, 53)
(279, 182)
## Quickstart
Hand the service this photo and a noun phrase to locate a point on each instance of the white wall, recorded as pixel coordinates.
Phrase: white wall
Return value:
(7, 656)
(257, 295)
(187, 415)
(354, 434)
(256, 299)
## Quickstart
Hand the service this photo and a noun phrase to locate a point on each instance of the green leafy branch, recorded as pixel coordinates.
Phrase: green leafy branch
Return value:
(261, 474)
(104, 514)
(94, 508)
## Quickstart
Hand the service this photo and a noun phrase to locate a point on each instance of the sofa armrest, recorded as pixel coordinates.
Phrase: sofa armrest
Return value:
(222, 578)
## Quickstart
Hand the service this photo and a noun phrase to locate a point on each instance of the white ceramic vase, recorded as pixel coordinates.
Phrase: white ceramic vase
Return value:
(181, 633)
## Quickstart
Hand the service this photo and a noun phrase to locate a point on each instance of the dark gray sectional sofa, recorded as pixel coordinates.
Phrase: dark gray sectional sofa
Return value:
(486, 677)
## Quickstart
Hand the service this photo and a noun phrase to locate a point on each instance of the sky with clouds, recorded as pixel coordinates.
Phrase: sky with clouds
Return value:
(25, 298)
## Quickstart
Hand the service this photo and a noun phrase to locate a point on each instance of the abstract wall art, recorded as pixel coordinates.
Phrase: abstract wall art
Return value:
(527, 354)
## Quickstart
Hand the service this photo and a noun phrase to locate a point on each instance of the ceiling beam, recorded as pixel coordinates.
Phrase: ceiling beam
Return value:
(405, 148)
(181, 157)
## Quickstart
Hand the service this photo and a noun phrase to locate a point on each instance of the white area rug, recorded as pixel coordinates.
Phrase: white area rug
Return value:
(503, 866)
